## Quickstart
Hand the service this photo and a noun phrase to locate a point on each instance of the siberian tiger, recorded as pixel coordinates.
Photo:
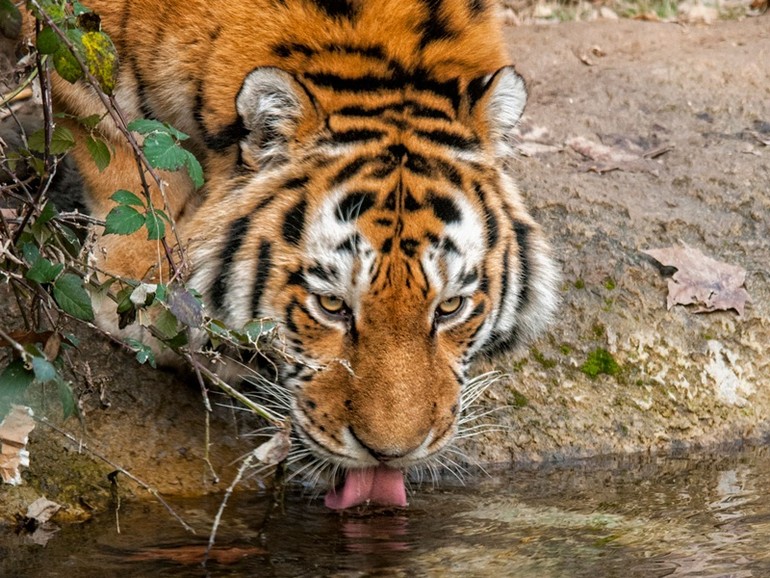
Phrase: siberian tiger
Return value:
(355, 155)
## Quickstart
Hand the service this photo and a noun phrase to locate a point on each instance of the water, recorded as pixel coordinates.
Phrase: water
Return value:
(704, 516)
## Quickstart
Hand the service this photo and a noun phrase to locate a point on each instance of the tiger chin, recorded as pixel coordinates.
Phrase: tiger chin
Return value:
(355, 155)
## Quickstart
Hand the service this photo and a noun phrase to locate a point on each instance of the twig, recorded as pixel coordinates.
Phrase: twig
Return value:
(218, 518)
(123, 471)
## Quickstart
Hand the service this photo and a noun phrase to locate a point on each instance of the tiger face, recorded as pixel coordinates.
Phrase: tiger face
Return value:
(392, 248)
(355, 154)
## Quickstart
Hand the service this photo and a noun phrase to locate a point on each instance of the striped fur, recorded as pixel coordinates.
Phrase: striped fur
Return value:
(354, 149)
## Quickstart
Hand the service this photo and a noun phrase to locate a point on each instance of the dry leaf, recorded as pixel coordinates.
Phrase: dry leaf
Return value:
(274, 450)
(14, 432)
(624, 155)
(534, 140)
(699, 279)
(195, 554)
(42, 510)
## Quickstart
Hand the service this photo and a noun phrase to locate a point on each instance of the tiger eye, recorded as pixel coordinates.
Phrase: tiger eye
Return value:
(449, 306)
(331, 303)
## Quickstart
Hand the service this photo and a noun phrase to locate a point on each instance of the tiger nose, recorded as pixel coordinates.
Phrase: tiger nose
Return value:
(383, 455)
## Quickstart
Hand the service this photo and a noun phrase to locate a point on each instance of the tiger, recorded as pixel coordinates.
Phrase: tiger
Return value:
(358, 191)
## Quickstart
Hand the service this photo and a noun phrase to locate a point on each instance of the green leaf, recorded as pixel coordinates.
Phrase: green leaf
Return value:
(156, 228)
(31, 252)
(194, 169)
(44, 370)
(90, 122)
(48, 42)
(49, 211)
(257, 328)
(61, 140)
(66, 398)
(163, 152)
(100, 153)
(14, 381)
(124, 197)
(67, 65)
(101, 58)
(148, 125)
(69, 293)
(44, 271)
(123, 220)
(166, 324)
(143, 352)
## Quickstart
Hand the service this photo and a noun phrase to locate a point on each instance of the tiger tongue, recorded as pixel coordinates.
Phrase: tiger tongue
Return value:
(382, 485)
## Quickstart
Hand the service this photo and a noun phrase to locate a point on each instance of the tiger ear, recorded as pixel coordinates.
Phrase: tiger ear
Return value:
(497, 101)
(273, 107)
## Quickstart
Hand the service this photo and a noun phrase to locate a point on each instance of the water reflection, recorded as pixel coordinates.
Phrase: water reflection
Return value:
(704, 516)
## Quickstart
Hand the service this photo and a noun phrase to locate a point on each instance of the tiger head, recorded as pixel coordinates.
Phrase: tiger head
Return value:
(378, 226)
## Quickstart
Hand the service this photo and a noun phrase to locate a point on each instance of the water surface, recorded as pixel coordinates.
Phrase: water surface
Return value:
(696, 515)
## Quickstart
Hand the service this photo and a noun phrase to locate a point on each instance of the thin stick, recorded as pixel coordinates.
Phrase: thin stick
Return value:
(218, 518)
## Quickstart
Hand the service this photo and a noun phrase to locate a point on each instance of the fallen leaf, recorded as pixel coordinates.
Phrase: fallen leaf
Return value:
(195, 554)
(42, 510)
(699, 279)
(274, 450)
(624, 154)
(14, 432)
(534, 140)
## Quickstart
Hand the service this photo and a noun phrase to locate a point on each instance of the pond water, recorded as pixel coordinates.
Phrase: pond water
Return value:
(688, 515)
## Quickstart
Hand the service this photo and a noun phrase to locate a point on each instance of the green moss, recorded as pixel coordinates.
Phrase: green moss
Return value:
(580, 284)
(542, 359)
(518, 365)
(600, 361)
(565, 349)
(599, 330)
(519, 400)
(609, 284)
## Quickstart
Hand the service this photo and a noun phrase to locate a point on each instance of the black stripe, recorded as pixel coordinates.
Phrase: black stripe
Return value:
(449, 172)
(264, 265)
(375, 52)
(470, 278)
(296, 182)
(476, 7)
(522, 239)
(335, 8)
(233, 243)
(409, 246)
(294, 223)
(349, 245)
(226, 137)
(478, 310)
(436, 26)
(493, 233)
(414, 108)
(410, 203)
(354, 205)
(444, 208)
(447, 138)
(504, 279)
(356, 135)
(286, 49)
(323, 273)
(366, 83)
(349, 171)
(297, 278)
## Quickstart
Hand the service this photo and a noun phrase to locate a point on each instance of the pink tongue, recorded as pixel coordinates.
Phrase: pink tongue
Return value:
(381, 485)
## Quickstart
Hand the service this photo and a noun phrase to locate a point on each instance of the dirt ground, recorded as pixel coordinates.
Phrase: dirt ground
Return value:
(697, 101)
